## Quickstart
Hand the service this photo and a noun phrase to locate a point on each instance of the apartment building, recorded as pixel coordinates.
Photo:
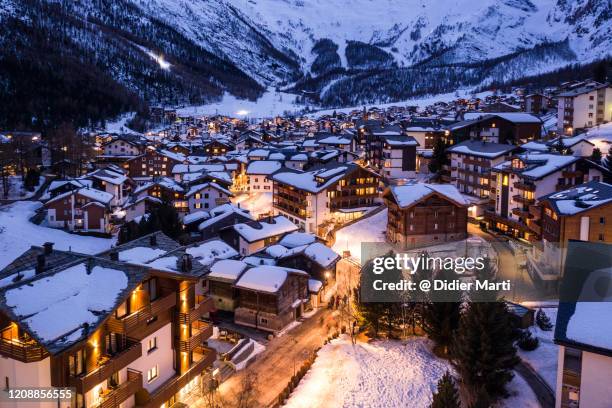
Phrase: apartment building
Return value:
(581, 213)
(527, 177)
(259, 174)
(128, 336)
(421, 214)
(586, 105)
(312, 198)
(153, 163)
(499, 127)
(471, 163)
(251, 236)
(85, 209)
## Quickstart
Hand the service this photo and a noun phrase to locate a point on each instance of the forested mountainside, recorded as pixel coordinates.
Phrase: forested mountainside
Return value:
(83, 61)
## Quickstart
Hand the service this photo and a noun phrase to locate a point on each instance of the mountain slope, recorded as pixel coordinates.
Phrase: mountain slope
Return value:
(344, 52)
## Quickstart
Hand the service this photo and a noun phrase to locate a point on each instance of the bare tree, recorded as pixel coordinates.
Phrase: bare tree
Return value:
(246, 394)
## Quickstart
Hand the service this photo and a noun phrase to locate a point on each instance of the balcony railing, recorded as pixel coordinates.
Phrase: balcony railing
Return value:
(205, 305)
(524, 186)
(24, 351)
(112, 364)
(123, 391)
(142, 316)
(520, 199)
(201, 331)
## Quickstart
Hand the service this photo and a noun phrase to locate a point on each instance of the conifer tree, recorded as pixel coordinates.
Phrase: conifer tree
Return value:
(596, 155)
(447, 395)
(543, 321)
(483, 349)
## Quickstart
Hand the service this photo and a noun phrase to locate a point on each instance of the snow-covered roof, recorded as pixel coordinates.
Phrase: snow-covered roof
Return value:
(296, 239)
(195, 217)
(207, 252)
(481, 149)
(265, 167)
(538, 165)
(410, 194)
(516, 117)
(227, 270)
(199, 187)
(314, 286)
(91, 193)
(59, 308)
(266, 278)
(310, 181)
(580, 198)
(335, 140)
(258, 230)
(109, 176)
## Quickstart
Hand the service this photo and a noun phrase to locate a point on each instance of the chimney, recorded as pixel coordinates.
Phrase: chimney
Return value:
(114, 255)
(48, 246)
(346, 254)
(89, 265)
(153, 240)
(184, 263)
(40, 263)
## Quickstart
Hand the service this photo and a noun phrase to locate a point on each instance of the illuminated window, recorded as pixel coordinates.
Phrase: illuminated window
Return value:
(505, 181)
(152, 373)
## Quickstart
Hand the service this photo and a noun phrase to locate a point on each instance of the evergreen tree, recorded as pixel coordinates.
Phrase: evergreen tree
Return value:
(559, 147)
(596, 156)
(169, 221)
(438, 158)
(447, 395)
(482, 400)
(483, 350)
(543, 321)
(442, 313)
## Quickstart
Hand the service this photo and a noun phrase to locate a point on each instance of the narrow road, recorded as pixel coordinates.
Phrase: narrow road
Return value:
(545, 395)
(275, 366)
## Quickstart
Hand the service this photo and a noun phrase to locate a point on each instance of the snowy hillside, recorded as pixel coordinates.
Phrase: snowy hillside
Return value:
(342, 52)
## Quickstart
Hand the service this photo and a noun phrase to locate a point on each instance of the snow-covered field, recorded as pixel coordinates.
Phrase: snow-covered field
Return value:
(17, 234)
(371, 229)
(544, 358)
(255, 203)
(272, 103)
(385, 374)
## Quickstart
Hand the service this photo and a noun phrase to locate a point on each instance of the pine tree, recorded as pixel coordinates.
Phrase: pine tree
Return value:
(438, 158)
(609, 160)
(543, 321)
(483, 350)
(596, 156)
(447, 395)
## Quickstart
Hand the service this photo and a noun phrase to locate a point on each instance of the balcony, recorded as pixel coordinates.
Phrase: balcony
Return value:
(115, 396)
(205, 305)
(520, 199)
(26, 351)
(534, 226)
(521, 212)
(200, 332)
(571, 173)
(524, 186)
(205, 359)
(142, 316)
(535, 211)
(109, 365)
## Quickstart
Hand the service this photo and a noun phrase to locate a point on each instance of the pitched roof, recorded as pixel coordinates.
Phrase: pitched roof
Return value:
(409, 194)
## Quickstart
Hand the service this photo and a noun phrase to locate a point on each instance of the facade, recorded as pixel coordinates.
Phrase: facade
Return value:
(470, 165)
(584, 106)
(252, 236)
(311, 199)
(422, 214)
(398, 158)
(146, 350)
(271, 297)
(153, 163)
(528, 177)
(85, 209)
(502, 127)
(206, 196)
(259, 174)
(582, 213)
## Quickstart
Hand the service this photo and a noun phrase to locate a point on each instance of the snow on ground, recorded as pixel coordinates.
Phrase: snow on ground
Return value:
(385, 374)
(119, 125)
(17, 234)
(521, 395)
(16, 189)
(370, 229)
(270, 104)
(381, 374)
(255, 203)
(544, 358)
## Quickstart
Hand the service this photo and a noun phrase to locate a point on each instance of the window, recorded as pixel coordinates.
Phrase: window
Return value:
(198, 196)
(601, 237)
(152, 373)
(6, 383)
(122, 310)
(435, 226)
(205, 195)
(198, 205)
(152, 345)
(602, 220)
(76, 363)
(150, 285)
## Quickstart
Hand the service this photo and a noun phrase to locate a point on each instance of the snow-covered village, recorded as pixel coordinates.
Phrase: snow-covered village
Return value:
(417, 212)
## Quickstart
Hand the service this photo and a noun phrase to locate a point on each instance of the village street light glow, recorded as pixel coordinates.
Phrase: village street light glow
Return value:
(243, 112)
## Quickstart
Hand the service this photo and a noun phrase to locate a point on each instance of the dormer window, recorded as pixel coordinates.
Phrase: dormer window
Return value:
(518, 164)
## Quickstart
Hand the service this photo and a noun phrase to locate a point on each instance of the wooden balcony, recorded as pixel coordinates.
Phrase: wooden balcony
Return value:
(142, 316)
(204, 306)
(524, 186)
(113, 364)
(122, 392)
(535, 211)
(206, 358)
(520, 199)
(571, 173)
(201, 331)
(521, 212)
(24, 351)
(479, 163)
(534, 226)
